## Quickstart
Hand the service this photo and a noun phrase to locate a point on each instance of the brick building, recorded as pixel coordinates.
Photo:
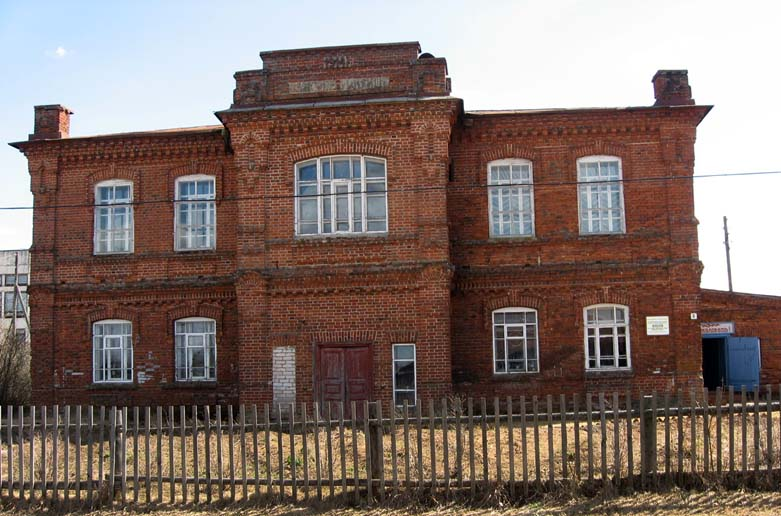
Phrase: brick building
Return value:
(348, 231)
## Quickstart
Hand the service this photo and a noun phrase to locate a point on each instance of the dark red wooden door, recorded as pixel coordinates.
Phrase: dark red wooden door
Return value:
(345, 375)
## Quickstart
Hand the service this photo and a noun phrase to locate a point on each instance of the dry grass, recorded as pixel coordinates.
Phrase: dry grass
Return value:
(671, 503)
(495, 459)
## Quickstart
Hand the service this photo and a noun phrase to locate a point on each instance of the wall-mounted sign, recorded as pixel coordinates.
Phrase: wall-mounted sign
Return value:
(657, 325)
(711, 328)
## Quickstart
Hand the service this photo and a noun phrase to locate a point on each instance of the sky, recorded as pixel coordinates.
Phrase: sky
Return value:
(126, 66)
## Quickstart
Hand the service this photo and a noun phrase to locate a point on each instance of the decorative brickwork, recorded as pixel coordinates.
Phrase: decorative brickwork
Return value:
(433, 279)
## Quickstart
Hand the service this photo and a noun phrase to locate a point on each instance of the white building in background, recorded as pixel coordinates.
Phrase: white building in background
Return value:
(14, 270)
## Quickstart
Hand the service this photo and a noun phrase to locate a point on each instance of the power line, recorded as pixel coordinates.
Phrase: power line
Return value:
(411, 189)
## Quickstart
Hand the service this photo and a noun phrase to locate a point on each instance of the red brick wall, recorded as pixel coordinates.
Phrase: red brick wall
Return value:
(754, 316)
(653, 268)
(432, 280)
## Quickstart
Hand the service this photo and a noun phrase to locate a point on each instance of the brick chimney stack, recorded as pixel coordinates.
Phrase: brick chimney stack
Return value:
(51, 122)
(671, 88)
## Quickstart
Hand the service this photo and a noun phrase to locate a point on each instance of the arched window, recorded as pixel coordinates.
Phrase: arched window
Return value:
(341, 195)
(196, 349)
(607, 337)
(600, 195)
(510, 198)
(112, 351)
(516, 348)
(196, 217)
(113, 217)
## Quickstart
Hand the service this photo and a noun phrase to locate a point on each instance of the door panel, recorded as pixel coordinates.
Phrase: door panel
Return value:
(331, 374)
(743, 362)
(345, 375)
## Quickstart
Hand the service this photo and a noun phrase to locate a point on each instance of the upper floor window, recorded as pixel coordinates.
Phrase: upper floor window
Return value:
(112, 351)
(195, 213)
(516, 347)
(510, 198)
(607, 337)
(196, 349)
(113, 217)
(600, 195)
(341, 194)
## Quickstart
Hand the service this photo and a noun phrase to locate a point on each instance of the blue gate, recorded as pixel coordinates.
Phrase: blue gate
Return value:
(743, 362)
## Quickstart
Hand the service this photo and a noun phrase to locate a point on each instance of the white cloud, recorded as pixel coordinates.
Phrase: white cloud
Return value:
(58, 53)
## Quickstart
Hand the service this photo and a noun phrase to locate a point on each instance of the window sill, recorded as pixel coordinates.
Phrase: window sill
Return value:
(510, 377)
(339, 236)
(112, 386)
(497, 239)
(205, 385)
(610, 373)
(604, 235)
(112, 255)
(207, 250)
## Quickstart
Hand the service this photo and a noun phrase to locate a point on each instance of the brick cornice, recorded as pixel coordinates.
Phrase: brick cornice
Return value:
(87, 150)
(340, 146)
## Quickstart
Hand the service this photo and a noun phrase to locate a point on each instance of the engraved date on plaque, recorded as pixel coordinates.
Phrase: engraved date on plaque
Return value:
(337, 61)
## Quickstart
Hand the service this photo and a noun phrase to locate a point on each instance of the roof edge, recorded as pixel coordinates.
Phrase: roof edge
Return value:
(337, 47)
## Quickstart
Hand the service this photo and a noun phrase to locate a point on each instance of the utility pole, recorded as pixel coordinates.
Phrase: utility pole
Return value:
(726, 245)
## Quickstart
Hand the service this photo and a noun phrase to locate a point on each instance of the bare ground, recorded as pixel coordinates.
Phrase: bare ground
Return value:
(672, 503)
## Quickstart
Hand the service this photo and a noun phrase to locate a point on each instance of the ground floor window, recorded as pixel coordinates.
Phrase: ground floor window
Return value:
(112, 349)
(404, 374)
(607, 337)
(515, 341)
(196, 349)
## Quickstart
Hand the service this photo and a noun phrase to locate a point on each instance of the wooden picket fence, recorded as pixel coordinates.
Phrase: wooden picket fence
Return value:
(466, 449)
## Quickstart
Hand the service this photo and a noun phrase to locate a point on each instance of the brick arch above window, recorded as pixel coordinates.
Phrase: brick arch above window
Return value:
(197, 168)
(206, 310)
(339, 147)
(509, 299)
(108, 173)
(597, 148)
(102, 313)
(605, 295)
(504, 151)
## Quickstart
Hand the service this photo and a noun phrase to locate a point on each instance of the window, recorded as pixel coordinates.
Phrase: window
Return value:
(112, 348)
(516, 348)
(10, 280)
(20, 336)
(196, 349)
(341, 194)
(607, 337)
(8, 303)
(600, 195)
(195, 213)
(113, 217)
(510, 198)
(23, 279)
(404, 374)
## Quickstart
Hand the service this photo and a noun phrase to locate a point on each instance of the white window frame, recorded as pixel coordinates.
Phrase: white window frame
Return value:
(414, 369)
(596, 325)
(332, 183)
(111, 206)
(515, 309)
(188, 377)
(196, 199)
(126, 341)
(21, 304)
(518, 189)
(586, 185)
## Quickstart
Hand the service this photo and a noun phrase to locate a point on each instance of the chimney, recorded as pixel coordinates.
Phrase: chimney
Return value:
(671, 88)
(51, 122)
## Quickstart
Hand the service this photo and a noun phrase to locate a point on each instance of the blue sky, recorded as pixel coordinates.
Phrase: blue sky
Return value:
(124, 66)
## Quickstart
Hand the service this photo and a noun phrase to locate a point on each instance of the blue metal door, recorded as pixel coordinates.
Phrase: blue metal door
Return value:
(743, 362)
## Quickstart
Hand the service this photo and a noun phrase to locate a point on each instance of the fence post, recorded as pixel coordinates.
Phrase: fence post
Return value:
(649, 434)
(375, 440)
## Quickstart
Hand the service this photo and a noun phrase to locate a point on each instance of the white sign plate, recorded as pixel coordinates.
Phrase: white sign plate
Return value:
(657, 325)
(710, 328)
